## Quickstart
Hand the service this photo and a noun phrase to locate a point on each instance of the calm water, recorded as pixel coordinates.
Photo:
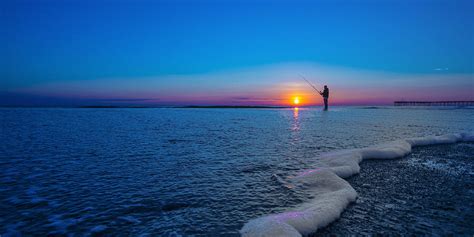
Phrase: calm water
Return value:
(177, 171)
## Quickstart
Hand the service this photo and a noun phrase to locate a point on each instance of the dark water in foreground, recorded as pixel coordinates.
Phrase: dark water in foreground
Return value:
(177, 171)
(428, 193)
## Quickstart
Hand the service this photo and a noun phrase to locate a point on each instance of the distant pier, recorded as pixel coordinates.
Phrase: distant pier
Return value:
(434, 103)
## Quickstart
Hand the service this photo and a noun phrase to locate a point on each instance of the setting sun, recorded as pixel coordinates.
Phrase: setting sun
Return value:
(296, 100)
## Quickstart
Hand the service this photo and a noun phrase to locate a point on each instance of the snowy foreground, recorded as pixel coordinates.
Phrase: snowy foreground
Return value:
(331, 192)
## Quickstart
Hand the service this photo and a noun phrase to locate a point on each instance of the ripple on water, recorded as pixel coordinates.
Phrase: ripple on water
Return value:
(176, 171)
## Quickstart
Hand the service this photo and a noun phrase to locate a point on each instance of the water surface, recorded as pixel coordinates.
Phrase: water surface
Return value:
(178, 171)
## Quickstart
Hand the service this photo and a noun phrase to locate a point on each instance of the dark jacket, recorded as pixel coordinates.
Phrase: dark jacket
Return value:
(325, 92)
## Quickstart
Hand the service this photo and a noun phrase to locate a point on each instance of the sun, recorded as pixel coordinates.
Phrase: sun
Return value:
(296, 100)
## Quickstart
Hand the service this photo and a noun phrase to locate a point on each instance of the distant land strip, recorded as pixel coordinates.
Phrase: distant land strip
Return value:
(152, 107)
(232, 107)
(191, 107)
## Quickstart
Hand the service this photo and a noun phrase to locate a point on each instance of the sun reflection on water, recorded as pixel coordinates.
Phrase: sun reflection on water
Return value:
(296, 123)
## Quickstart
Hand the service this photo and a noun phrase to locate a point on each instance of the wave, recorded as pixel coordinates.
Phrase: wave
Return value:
(331, 192)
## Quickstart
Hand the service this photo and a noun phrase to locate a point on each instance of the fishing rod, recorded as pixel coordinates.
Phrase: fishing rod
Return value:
(309, 83)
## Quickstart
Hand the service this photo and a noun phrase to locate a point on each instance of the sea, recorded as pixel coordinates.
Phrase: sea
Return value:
(180, 171)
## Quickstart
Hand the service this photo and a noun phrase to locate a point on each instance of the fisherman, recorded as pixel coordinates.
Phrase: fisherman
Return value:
(325, 95)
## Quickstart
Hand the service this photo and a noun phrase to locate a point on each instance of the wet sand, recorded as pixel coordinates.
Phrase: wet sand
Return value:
(429, 192)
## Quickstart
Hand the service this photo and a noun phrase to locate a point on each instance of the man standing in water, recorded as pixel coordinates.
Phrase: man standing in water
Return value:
(325, 95)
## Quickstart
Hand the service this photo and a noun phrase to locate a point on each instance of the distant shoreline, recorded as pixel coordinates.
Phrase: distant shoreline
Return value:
(231, 107)
(218, 107)
(212, 107)
(157, 107)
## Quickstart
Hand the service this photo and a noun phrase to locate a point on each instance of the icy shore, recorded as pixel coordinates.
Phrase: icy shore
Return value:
(332, 194)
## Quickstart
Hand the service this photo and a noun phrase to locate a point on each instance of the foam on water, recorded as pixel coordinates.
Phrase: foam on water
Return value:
(330, 191)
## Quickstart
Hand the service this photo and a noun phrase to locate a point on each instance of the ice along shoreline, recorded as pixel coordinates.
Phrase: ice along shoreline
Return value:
(332, 194)
(429, 192)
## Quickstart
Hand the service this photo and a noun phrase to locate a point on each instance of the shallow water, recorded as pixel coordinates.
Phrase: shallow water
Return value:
(178, 171)
(433, 197)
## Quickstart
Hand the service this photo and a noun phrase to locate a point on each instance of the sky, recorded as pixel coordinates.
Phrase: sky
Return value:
(197, 52)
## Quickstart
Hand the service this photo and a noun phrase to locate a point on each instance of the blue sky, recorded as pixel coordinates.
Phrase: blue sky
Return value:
(48, 42)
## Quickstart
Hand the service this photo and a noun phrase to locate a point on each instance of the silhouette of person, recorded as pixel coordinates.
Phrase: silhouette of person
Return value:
(325, 95)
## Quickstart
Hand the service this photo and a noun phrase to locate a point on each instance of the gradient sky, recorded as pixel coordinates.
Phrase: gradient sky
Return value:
(234, 52)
